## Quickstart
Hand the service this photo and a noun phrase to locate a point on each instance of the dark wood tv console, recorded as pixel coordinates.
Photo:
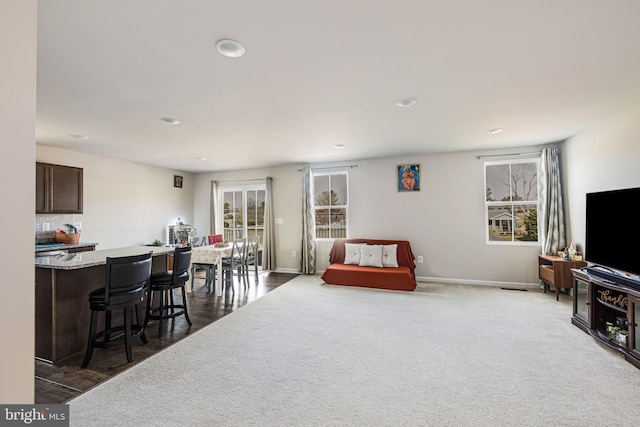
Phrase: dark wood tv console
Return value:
(609, 312)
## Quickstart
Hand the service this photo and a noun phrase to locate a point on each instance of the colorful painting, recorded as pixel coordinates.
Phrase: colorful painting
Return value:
(408, 177)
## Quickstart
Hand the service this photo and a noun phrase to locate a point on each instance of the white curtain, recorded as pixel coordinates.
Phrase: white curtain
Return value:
(308, 253)
(269, 244)
(552, 222)
(213, 206)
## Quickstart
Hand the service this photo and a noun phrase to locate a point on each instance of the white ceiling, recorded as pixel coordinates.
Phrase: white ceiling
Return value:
(325, 72)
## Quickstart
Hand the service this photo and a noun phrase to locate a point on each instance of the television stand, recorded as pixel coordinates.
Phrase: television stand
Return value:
(610, 276)
(609, 311)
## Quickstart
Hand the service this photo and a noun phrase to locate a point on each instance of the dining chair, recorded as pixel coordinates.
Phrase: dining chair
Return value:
(233, 265)
(251, 259)
(209, 268)
(199, 241)
(216, 238)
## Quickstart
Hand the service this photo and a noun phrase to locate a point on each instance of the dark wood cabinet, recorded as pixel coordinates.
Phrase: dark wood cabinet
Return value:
(62, 314)
(609, 312)
(41, 188)
(58, 189)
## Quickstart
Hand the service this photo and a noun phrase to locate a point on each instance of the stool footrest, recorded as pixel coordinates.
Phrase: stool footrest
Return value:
(180, 312)
(119, 331)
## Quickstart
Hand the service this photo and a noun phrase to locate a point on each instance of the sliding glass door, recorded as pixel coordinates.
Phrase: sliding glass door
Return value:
(242, 211)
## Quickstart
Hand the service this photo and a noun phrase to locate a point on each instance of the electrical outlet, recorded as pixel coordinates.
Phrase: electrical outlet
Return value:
(420, 260)
(46, 226)
(293, 254)
(78, 225)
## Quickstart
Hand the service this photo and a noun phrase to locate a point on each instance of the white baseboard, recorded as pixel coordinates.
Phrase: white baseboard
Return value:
(510, 285)
(287, 270)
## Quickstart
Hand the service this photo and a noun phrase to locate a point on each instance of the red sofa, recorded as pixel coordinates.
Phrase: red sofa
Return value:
(397, 278)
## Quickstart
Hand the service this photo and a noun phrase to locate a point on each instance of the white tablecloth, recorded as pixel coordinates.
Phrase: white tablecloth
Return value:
(210, 254)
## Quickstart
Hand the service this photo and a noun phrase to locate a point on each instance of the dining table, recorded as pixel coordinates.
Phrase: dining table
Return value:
(211, 255)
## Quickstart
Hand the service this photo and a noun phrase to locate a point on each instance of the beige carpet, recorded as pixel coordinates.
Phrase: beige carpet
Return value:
(309, 354)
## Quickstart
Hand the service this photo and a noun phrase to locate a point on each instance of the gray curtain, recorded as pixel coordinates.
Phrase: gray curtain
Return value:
(308, 253)
(552, 222)
(269, 244)
(213, 205)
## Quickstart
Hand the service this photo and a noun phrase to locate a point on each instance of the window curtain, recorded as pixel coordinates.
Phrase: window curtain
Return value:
(308, 253)
(269, 244)
(554, 237)
(213, 206)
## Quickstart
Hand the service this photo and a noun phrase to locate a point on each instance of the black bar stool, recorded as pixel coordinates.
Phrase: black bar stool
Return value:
(164, 283)
(126, 280)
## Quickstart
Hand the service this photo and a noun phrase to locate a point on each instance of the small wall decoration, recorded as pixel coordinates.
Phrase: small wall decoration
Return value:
(177, 181)
(408, 177)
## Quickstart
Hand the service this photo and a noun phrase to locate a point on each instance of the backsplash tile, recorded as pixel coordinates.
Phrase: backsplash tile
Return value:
(56, 222)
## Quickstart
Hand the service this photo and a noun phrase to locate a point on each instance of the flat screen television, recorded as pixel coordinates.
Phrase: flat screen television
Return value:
(612, 233)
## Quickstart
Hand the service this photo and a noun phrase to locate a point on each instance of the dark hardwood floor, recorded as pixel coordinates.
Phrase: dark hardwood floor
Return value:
(65, 380)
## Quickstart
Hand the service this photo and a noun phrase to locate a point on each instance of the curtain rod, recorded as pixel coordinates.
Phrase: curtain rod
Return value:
(332, 167)
(240, 180)
(477, 156)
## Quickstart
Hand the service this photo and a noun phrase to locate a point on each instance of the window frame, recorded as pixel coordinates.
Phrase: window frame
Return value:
(344, 172)
(244, 188)
(512, 204)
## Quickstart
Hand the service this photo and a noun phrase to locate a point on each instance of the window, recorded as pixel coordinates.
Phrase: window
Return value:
(331, 203)
(512, 201)
(242, 211)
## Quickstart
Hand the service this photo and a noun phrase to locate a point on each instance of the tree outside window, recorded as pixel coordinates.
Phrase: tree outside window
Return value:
(331, 204)
(243, 213)
(511, 193)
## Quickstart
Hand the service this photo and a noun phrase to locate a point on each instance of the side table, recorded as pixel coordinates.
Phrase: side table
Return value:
(556, 271)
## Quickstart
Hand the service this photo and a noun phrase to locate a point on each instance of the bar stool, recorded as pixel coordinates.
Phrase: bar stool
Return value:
(126, 280)
(163, 284)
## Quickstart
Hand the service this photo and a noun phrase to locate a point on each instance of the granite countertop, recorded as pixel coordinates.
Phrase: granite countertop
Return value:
(92, 258)
(45, 247)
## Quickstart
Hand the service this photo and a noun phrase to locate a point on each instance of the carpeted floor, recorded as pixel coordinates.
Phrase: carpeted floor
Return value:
(309, 354)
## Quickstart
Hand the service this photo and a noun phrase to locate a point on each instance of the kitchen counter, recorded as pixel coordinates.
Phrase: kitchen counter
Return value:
(75, 261)
(46, 247)
(63, 284)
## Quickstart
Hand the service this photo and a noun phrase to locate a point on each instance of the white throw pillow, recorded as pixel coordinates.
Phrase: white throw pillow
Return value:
(390, 255)
(352, 253)
(371, 256)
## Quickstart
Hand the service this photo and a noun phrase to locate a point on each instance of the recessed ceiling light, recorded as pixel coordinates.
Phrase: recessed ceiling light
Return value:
(201, 158)
(78, 136)
(339, 146)
(170, 121)
(406, 103)
(230, 48)
(494, 131)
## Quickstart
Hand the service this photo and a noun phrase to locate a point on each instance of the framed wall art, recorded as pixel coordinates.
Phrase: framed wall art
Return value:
(408, 178)
(177, 181)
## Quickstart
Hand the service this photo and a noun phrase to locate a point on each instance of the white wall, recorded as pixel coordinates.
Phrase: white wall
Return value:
(602, 158)
(18, 49)
(445, 221)
(125, 203)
